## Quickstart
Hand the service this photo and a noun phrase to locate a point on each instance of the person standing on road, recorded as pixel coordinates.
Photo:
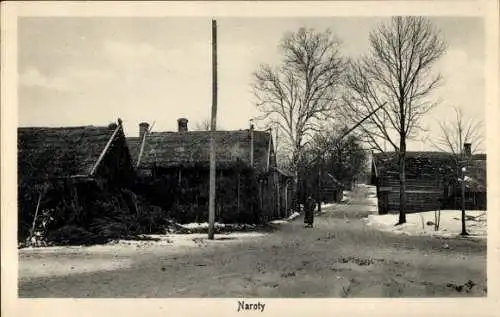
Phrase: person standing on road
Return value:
(309, 212)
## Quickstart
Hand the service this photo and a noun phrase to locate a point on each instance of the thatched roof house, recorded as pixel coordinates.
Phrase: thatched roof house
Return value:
(72, 152)
(189, 148)
(431, 179)
(73, 173)
(176, 166)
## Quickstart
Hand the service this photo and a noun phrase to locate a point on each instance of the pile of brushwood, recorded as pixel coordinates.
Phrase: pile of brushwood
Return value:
(86, 214)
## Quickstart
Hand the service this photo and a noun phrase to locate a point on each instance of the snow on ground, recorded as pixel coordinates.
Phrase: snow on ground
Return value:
(278, 222)
(37, 267)
(346, 196)
(328, 205)
(293, 216)
(68, 260)
(203, 225)
(449, 226)
(372, 199)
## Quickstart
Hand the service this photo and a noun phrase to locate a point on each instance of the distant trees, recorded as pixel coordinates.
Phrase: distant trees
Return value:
(398, 70)
(328, 156)
(300, 93)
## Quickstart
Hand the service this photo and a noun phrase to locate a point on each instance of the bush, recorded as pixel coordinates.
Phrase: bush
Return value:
(73, 235)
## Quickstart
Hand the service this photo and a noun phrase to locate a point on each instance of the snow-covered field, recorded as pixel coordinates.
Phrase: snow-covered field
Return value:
(423, 223)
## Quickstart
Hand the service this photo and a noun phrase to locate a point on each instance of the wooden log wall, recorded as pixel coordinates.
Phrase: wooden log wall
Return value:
(421, 195)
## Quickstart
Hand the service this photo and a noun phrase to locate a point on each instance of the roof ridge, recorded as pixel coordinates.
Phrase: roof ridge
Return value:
(64, 127)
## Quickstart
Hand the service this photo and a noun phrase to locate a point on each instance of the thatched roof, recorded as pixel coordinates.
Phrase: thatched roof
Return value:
(417, 163)
(60, 152)
(170, 149)
(437, 164)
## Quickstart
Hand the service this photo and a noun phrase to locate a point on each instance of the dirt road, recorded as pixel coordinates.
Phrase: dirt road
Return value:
(339, 257)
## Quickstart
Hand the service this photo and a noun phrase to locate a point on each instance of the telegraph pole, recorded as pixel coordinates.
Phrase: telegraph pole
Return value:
(463, 169)
(213, 126)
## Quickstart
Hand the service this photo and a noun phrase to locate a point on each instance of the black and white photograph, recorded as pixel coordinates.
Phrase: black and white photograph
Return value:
(252, 157)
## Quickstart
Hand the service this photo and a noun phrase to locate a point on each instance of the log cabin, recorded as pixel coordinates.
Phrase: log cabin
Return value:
(425, 180)
(431, 181)
(173, 170)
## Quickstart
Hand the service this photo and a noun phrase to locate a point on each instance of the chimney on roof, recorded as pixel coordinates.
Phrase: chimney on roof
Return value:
(182, 125)
(467, 149)
(143, 129)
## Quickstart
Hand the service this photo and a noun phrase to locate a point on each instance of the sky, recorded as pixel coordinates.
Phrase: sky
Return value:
(90, 71)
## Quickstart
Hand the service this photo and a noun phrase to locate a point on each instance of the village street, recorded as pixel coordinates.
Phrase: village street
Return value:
(340, 257)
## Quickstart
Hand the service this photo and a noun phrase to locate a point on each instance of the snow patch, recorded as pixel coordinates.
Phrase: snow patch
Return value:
(203, 225)
(372, 201)
(423, 223)
(277, 222)
(293, 216)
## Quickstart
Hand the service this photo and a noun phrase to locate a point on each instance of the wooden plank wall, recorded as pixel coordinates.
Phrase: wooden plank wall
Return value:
(421, 195)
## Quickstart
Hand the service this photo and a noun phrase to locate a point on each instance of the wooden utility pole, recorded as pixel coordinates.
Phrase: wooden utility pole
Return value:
(320, 193)
(462, 189)
(213, 126)
(463, 169)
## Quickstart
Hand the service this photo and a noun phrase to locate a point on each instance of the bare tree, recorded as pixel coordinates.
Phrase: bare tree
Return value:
(398, 70)
(300, 93)
(203, 125)
(460, 130)
(454, 134)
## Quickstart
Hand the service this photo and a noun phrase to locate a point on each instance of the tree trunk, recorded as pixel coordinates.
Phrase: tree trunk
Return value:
(295, 192)
(319, 187)
(402, 182)
(464, 229)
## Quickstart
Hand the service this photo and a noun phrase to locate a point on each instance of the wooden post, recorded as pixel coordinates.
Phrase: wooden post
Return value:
(319, 185)
(35, 218)
(220, 202)
(260, 194)
(464, 229)
(251, 143)
(211, 202)
(277, 178)
(286, 198)
(238, 195)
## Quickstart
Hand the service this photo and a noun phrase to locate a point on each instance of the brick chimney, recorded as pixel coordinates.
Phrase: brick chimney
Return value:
(182, 125)
(143, 129)
(467, 149)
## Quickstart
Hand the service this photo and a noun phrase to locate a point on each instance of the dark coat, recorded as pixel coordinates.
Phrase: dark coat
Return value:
(309, 210)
